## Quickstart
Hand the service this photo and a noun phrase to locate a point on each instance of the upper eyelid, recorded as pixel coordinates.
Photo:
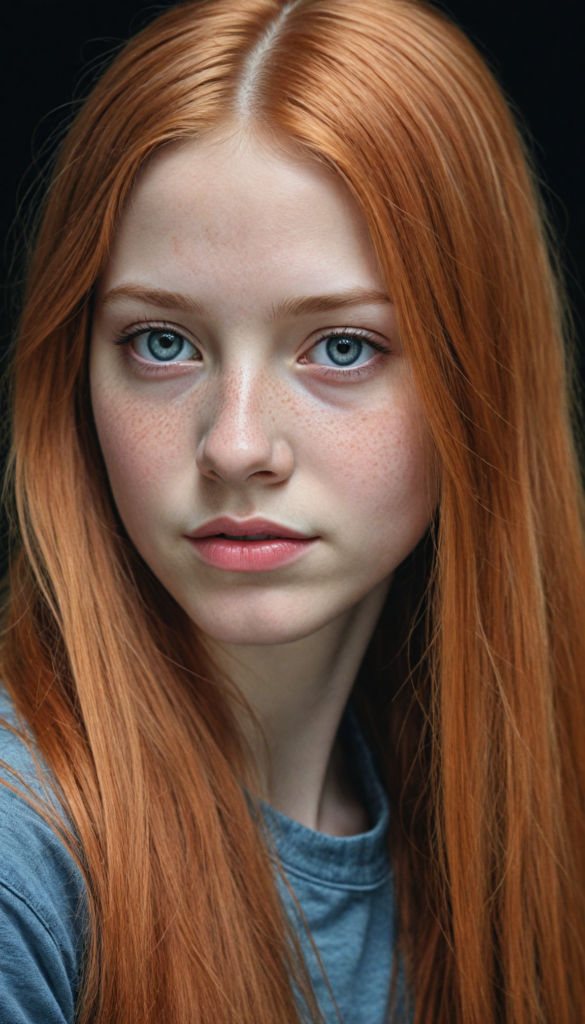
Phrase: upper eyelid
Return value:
(129, 333)
(150, 325)
(360, 332)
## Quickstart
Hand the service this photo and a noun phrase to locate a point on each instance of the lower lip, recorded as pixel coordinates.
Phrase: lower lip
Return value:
(249, 555)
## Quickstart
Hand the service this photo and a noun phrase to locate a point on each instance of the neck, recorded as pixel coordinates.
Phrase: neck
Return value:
(298, 692)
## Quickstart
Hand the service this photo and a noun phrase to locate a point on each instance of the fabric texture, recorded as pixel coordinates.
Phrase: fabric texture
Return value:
(343, 887)
(42, 901)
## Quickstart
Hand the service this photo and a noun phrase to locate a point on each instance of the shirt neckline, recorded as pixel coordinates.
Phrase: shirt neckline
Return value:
(356, 862)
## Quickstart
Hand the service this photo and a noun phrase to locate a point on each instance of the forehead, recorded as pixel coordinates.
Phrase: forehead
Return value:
(240, 207)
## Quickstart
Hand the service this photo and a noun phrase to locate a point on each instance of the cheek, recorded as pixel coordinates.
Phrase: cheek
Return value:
(142, 446)
(389, 488)
(378, 463)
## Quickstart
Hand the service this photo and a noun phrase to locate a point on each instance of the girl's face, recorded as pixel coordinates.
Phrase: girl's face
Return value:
(248, 379)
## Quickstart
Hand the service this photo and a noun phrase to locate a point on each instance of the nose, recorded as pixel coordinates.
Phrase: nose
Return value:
(243, 436)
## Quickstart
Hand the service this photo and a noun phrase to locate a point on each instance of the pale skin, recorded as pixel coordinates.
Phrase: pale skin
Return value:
(222, 245)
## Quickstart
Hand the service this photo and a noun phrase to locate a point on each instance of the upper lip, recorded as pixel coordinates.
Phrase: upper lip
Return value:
(245, 528)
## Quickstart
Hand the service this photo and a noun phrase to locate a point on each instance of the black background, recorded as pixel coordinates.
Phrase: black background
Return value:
(51, 51)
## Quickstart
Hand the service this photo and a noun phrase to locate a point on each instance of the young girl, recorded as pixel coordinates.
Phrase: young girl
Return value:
(293, 654)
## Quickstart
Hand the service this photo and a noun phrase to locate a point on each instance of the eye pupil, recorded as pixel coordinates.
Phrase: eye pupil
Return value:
(164, 344)
(344, 351)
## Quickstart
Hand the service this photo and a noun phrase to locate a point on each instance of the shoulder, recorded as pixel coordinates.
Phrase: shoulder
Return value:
(42, 896)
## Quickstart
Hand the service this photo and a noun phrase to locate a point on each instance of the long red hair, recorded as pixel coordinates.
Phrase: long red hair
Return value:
(473, 688)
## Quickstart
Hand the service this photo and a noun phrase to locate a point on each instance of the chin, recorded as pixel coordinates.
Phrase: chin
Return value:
(248, 625)
(251, 634)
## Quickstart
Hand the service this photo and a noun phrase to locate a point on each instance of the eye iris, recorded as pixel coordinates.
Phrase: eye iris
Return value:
(344, 351)
(164, 345)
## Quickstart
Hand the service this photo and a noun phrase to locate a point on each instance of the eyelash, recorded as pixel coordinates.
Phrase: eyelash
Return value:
(125, 336)
(335, 372)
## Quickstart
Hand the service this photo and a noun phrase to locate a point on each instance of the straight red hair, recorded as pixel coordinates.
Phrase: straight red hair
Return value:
(473, 686)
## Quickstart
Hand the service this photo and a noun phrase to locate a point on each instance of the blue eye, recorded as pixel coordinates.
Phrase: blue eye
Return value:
(163, 345)
(341, 350)
(344, 351)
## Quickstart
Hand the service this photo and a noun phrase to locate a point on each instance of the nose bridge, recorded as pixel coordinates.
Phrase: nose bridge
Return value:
(240, 404)
(240, 433)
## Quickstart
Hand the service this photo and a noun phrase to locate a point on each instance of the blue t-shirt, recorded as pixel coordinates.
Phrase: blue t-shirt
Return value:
(343, 885)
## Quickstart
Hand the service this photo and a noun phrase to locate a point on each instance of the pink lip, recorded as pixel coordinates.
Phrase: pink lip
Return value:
(283, 547)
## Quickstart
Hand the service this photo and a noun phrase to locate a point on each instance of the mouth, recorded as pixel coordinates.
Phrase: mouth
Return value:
(253, 545)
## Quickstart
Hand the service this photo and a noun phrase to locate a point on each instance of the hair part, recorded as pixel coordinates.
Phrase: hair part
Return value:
(244, 106)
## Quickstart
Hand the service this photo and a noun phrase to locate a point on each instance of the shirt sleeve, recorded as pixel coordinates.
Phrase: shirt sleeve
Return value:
(42, 914)
(34, 984)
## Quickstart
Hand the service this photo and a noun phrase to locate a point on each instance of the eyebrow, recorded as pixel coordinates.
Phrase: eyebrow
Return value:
(153, 297)
(301, 306)
(306, 304)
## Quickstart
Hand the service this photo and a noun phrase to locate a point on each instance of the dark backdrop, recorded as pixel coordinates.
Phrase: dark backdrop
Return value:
(51, 51)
